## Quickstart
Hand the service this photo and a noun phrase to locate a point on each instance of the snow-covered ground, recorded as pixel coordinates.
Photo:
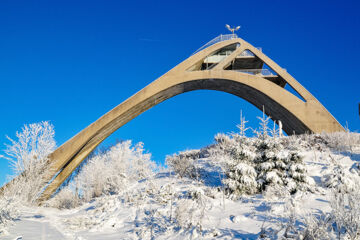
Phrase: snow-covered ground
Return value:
(169, 207)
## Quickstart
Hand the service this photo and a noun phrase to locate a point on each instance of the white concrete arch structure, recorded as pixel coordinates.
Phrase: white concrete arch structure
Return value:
(225, 64)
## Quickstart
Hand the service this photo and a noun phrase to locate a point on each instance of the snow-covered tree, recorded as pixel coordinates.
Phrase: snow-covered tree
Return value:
(278, 166)
(237, 156)
(110, 171)
(253, 164)
(27, 155)
(183, 163)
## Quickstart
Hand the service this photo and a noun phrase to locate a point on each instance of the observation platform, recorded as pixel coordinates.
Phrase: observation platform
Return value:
(245, 62)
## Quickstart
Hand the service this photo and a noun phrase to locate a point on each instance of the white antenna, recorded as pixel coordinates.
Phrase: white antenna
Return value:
(232, 29)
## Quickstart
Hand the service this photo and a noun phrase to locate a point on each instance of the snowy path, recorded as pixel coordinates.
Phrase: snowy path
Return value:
(30, 229)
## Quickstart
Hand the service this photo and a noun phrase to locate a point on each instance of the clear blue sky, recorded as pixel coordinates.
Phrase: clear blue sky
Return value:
(69, 62)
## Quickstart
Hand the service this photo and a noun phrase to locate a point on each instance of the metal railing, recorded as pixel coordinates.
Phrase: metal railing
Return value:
(246, 53)
(216, 40)
(225, 38)
(263, 72)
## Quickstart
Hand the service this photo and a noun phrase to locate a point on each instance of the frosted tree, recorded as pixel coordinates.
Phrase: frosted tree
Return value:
(276, 132)
(32, 146)
(253, 164)
(184, 163)
(109, 172)
(263, 132)
(242, 126)
(241, 179)
(27, 155)
(279, 166)
(236, 154)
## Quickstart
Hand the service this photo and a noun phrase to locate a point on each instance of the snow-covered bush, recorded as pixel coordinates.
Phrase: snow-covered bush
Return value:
(65, 199)
(346, 213)
(342, 141)
(152, 224)
(8, 212)
(183, 163)
(336, 175)
(297, 143)
(317, 227)
(191, 211)
(343, 222)
(338, 141)
(238, 147)
(110, 171)
(28, 158)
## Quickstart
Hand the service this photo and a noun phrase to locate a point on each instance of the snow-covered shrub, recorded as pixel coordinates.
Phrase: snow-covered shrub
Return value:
(336, 175)
(110, 171)
(276, 192)
(346, 213)
(339, 141)
(165, 194)
(191, 211)
(343, 222)
(151, 225)
(183, 163)
(342, 141)
(239, 148)
(184, 213)
(65, 199)
(317, 227)
(28, 158)
(8, 212)
(297, 143)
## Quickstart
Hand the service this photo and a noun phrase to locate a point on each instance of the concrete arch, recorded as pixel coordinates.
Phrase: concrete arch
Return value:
(297, 116)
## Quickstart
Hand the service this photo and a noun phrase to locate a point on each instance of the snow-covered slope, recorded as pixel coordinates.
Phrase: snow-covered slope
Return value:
(198, 206)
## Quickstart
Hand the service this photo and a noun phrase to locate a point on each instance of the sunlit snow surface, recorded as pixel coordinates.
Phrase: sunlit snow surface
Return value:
(148, 208)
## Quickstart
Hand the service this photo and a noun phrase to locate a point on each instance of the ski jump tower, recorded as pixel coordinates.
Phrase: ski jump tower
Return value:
(227, 63)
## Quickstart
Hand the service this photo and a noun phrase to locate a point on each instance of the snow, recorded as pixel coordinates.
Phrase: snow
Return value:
(167, 206)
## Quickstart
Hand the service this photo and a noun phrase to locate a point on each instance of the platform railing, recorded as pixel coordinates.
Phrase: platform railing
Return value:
(246, 53)
(263, 72)
(226, 37)
(216, 40)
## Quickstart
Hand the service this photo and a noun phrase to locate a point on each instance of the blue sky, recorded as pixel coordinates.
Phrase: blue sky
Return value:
(69, 62)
